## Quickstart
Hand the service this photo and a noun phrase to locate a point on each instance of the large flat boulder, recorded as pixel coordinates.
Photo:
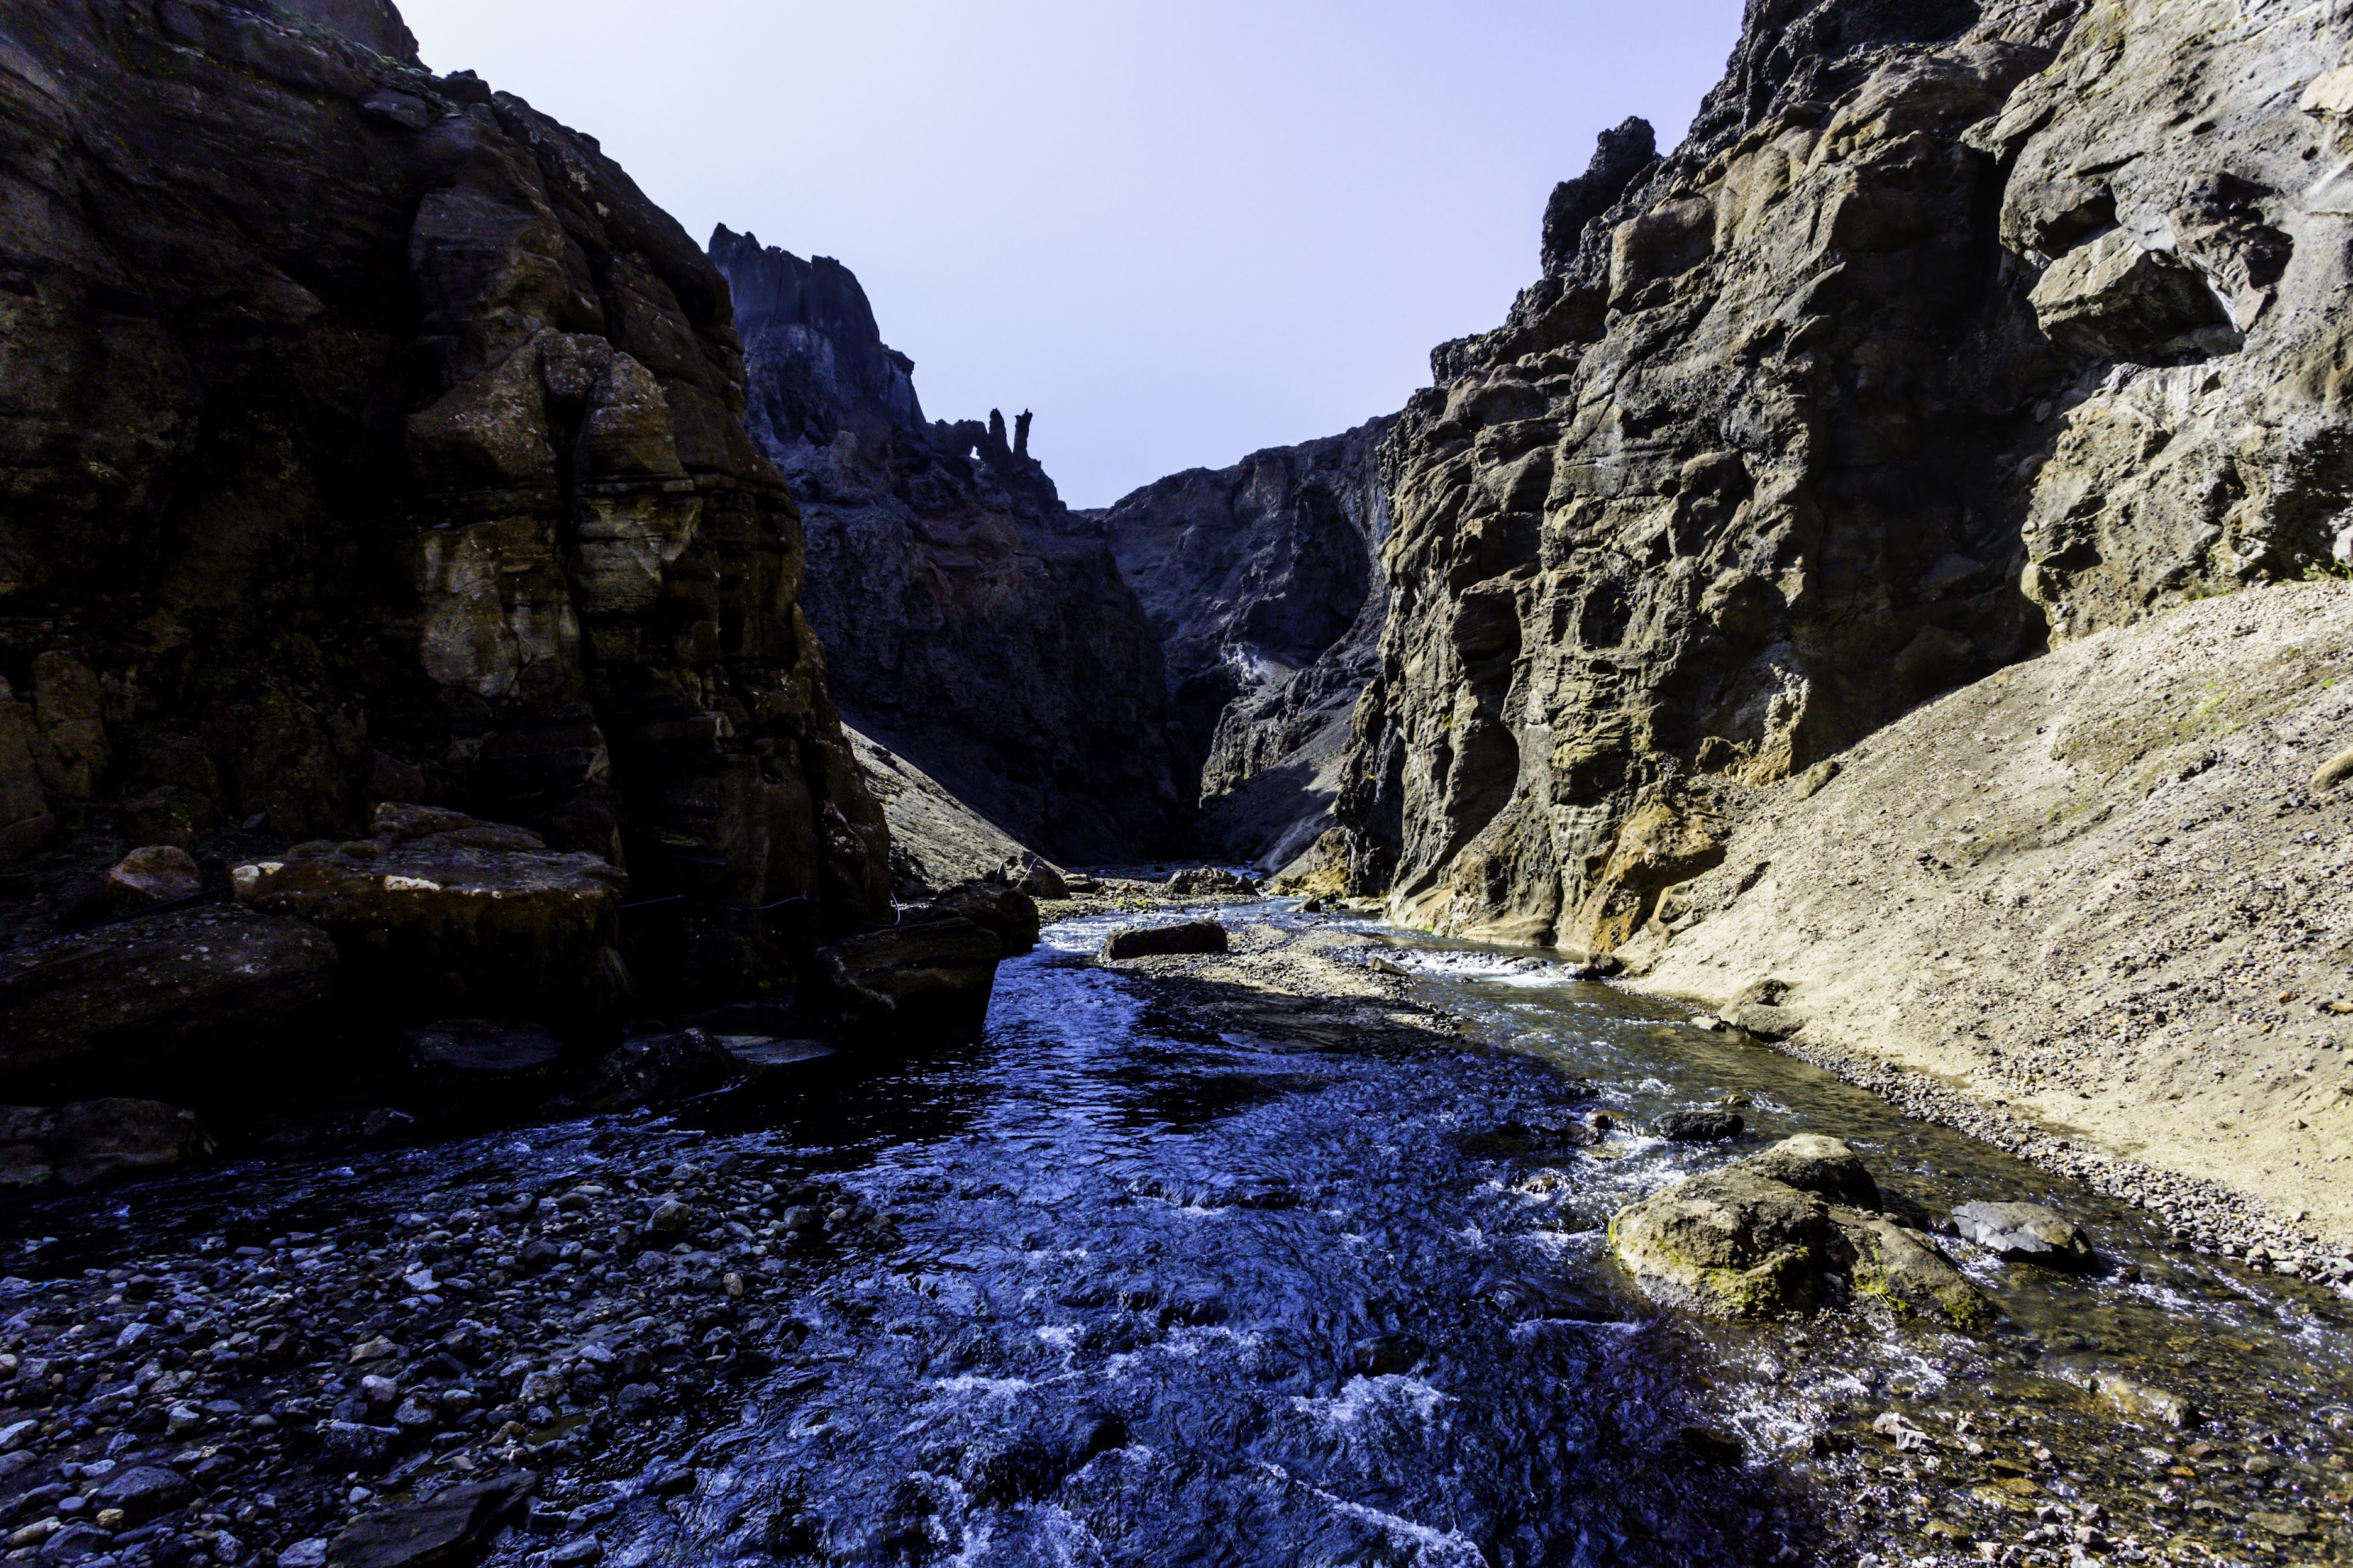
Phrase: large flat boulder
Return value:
(110, 1007)
(1165, 941)
(438, 913)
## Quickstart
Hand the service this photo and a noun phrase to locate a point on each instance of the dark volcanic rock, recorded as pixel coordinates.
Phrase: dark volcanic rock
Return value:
(975, 623)
(1260, 580)
(439, 912)
(143, 1491)
(1008, 913)
(1857, 395)
(451, 1527)
(474, 1063)
(930, 975)
(95, 1141)
(1155, 942)
(175, 993)
(371, 437)
(1700, 1126)
(656, 1067)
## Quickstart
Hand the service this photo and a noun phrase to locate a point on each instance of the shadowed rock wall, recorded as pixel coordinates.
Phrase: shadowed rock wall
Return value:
(977, 625)
(1952, 329)
(1260, 581)
(368, 435)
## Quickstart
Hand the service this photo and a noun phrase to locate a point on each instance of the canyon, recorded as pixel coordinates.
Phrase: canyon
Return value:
(588, 938)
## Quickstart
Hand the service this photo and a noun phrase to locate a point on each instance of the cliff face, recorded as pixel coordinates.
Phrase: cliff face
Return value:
(1952, 330)
(977, 625)
(1260, 581)
(368, 435)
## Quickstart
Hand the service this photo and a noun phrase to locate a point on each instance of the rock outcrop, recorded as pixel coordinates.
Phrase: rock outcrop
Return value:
(977, 626)
(1260, 581)
(371, 437)
(1953, 330)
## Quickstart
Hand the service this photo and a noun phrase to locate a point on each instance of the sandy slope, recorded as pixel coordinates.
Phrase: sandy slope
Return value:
(2097, 893)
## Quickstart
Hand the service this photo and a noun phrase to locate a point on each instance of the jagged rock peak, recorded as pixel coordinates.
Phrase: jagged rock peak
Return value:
(373, 24)
(821, 312)
(1622, 157)
(977, 626)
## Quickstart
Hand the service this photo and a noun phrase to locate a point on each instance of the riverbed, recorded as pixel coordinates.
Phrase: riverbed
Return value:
(1273, 1258)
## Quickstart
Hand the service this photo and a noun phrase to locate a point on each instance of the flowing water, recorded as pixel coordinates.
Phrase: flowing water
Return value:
(1152, 1291)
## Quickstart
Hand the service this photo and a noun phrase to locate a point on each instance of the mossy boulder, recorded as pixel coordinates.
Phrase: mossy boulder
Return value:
(1791, 1230)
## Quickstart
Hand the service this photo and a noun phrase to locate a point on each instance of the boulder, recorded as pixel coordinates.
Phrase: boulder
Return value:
(157, 874)
(927, 974)
(1788, 1230)
(439, 911)
(1156, 941)
(759, 1056)
(1823, 1166)
(1008, 913)
(94, 1140)
(125, 1003)
(656, 1067)
(1208, 881)
(2027, 1233)
(1907, 1270)
(1043, 881)
(449, 1527)
(1731, 1242)
(1700, 1126)
(1766, 1023)
(479, 1063)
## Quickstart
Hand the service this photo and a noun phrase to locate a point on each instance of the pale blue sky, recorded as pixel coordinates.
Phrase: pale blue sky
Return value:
(1177, 232)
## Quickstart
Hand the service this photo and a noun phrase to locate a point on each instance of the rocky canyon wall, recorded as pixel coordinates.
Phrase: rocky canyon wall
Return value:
(1952, 330)
(1260, 582)
(977, 626)
(366, 435)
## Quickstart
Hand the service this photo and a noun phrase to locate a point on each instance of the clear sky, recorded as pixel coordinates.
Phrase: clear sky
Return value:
(1178, 232)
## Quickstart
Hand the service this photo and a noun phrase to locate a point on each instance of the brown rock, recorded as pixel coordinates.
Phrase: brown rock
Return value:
(1008, 913)
(451, 1527)
(154, 875)
(441, 910)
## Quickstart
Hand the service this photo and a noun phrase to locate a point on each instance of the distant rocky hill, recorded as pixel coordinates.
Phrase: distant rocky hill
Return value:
(369, 437)
(1953, 330)
(1260, 581)
(977, 625)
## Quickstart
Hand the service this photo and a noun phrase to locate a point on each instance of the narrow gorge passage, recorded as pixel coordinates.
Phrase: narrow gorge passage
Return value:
(1170, 1268)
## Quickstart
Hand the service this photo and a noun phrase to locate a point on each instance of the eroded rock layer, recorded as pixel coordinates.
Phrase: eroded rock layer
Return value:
(977, 625)
(1952, 330)
(369, 436)
(1261, 582)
